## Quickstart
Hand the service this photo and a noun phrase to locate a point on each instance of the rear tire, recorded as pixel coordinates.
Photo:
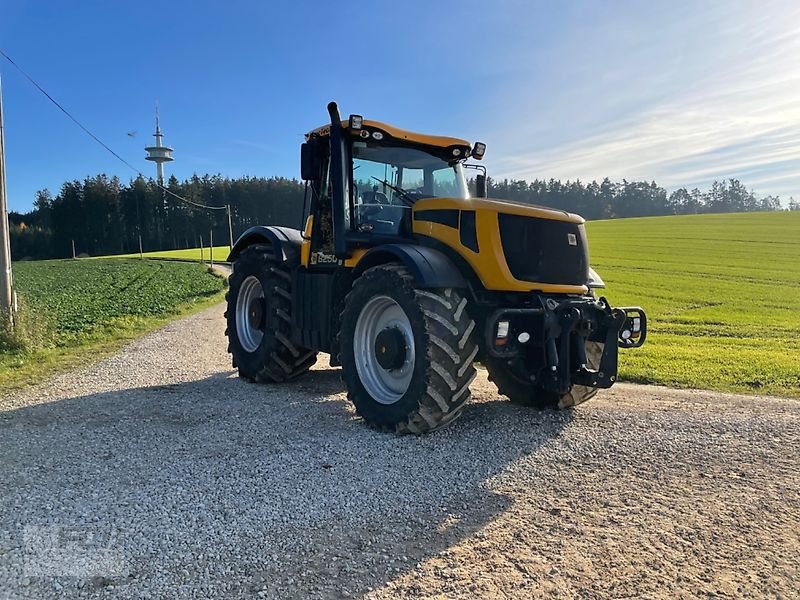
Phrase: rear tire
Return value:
(521, 391)
(259, 319)
(422, 381)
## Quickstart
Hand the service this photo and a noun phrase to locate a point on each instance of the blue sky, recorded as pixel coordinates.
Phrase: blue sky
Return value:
(679, 92)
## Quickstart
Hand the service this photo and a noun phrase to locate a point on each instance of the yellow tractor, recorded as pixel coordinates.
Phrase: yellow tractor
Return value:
(407, 281)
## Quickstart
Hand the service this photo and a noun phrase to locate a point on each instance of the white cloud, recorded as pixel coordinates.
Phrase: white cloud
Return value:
(688, 100)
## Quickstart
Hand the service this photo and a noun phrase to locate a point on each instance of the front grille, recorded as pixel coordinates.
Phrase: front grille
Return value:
(544, 251)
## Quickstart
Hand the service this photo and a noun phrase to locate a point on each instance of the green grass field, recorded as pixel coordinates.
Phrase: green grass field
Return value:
(71, 307)
(722, 293)
(220, 254)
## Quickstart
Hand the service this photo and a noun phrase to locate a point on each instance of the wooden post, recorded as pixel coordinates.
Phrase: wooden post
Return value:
(211, 247)
(73, 250)
(141, 254)
(6, 280)
(201, 248)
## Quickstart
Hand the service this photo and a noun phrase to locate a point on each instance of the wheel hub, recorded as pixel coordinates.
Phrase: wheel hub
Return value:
(390, 348)
(255, 313)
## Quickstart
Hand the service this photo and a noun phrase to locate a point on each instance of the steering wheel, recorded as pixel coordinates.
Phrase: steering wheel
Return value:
(375, 197)
(371, 210)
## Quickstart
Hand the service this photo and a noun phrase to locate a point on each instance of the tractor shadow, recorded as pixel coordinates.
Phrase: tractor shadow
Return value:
(226, 488)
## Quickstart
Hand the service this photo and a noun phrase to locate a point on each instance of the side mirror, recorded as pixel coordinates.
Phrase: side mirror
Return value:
(308, 162)
(480, 186)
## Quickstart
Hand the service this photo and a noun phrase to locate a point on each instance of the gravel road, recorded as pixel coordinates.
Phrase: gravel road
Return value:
(156, 473)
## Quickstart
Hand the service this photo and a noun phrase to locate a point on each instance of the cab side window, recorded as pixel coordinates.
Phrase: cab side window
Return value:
(413, 180)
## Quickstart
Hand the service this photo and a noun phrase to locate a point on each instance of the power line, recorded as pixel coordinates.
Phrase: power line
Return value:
(99, 141)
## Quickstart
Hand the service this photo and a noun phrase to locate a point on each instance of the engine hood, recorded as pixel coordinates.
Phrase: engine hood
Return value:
(510, 246)
(497, 206)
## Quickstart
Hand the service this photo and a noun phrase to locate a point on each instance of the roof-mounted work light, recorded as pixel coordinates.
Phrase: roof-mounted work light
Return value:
(478, 150)
(356, 121)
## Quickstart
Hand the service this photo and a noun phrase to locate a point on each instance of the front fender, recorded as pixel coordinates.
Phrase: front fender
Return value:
(429, 267)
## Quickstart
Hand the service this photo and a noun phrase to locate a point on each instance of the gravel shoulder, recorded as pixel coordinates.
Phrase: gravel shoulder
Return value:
(157, 473)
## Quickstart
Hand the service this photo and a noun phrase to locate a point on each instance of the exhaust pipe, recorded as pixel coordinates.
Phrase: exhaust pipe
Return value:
(339, 184)
(333, 111)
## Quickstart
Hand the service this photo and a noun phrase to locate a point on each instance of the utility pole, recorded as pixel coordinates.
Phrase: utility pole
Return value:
(230, 225)
(6, 293)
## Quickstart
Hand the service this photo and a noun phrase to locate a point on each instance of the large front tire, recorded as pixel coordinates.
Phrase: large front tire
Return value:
(517, 388)
(406, 353)
(259, 319)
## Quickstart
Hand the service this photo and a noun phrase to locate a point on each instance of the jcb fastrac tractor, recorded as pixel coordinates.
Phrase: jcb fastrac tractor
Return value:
(406, 281)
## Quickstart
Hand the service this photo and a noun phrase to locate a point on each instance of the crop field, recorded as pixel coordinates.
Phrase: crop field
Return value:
(78, 297)
(722, 294)
(69, 304)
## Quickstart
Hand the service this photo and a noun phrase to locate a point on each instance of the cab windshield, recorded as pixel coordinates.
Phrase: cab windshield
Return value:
(388, 180)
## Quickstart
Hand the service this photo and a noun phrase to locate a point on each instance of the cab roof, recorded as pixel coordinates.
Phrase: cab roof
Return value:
(438, 141)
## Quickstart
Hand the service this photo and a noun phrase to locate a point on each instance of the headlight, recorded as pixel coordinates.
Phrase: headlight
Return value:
(502, 329)
(595, 281)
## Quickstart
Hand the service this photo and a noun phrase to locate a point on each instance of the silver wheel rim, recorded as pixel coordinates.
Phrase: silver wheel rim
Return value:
(386, 386)
(249, 301)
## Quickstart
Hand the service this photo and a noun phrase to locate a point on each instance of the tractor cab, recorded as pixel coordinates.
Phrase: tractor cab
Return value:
(365, 176)
(388, 179)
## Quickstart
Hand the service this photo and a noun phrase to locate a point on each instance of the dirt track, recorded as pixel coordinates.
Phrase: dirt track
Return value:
(173, 478)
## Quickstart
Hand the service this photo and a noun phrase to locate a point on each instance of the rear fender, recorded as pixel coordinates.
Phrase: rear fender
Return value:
(285, 240)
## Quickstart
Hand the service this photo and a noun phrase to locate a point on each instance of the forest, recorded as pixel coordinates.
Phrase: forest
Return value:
(102, 215)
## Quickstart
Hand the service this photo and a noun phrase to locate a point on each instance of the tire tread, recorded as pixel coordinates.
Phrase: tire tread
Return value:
(450, 350)
(286, 360)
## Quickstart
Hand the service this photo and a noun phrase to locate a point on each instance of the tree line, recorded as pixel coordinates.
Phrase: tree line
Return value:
(102, 215)
(611, 200)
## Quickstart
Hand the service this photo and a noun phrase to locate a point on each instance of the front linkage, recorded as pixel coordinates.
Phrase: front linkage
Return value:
(550, 340)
